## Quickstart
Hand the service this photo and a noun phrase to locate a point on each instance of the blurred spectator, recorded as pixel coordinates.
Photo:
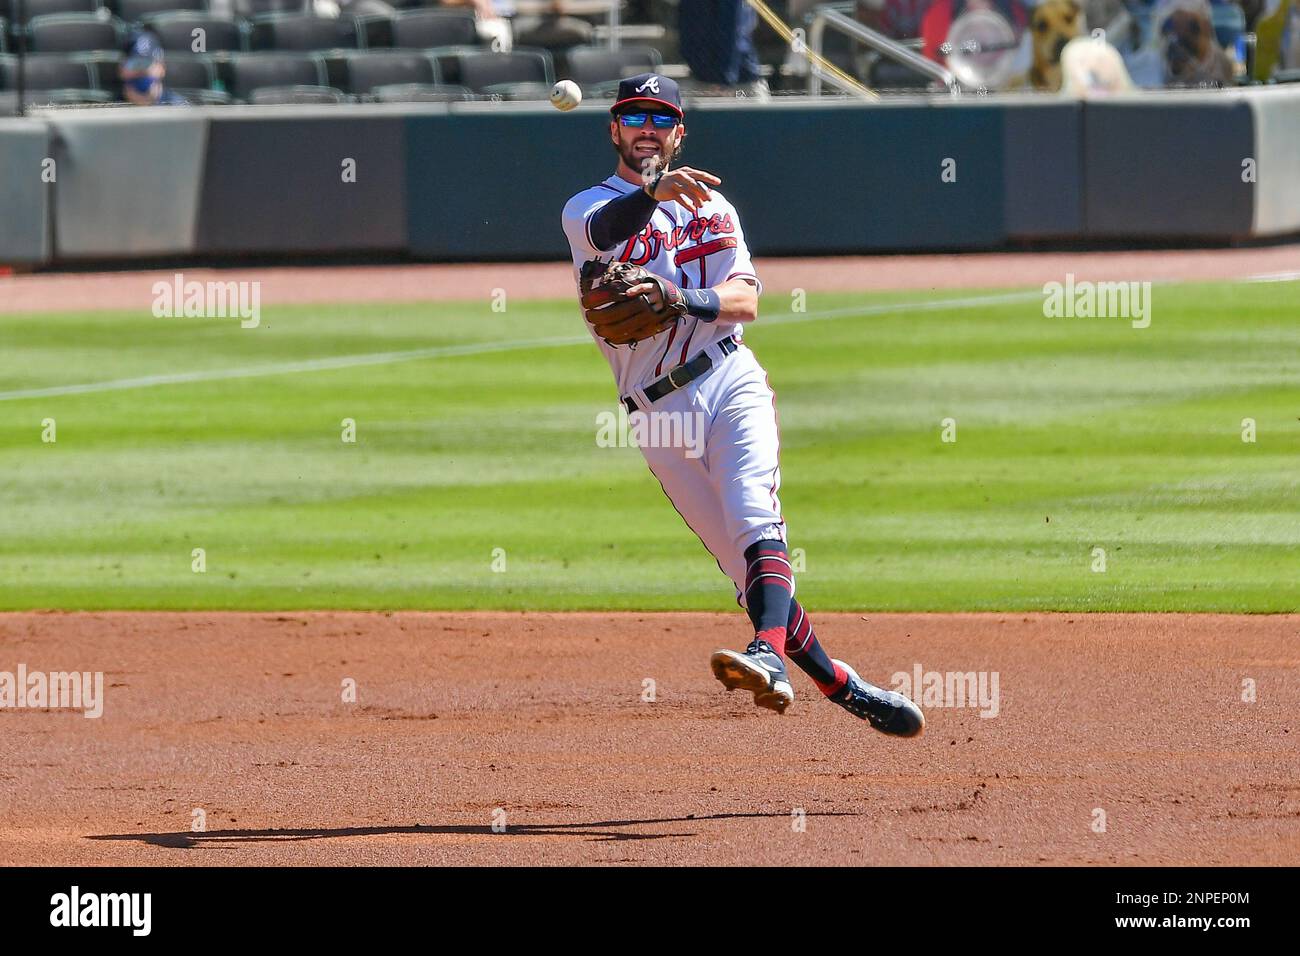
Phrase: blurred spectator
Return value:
(1093, 69)
(1228, 18)
(493, 27)
(939, 17)
(1179, 46)
(717, 43)
(1052, 26)
(552, 30)
(142, 71)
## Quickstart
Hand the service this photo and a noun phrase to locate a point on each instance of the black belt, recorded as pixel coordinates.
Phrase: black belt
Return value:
(682, 375)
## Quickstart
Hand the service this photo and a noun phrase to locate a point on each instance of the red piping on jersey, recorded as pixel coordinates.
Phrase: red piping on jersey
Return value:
(704, 249)
(671, 335)
(716, 559)
(687, 344)
(776, 418)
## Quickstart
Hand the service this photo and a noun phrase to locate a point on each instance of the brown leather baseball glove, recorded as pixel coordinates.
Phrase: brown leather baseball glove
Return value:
(621, 319)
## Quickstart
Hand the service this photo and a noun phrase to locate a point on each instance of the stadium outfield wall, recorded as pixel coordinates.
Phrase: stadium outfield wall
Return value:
(484, 181)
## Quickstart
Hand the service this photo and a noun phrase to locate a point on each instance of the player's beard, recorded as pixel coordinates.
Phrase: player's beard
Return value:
(635, 161)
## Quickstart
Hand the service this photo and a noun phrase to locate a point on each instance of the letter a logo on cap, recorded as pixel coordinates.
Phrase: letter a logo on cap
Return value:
(652, 84)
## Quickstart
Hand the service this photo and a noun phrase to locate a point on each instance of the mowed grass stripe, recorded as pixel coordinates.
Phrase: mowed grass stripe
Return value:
(1073, 434)
(448, 351)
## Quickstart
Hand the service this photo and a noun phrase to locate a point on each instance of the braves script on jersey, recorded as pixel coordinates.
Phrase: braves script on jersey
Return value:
(694, 250)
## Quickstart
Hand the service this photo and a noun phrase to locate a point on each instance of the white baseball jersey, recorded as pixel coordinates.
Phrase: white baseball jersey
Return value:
(729, 494)
(694, 250)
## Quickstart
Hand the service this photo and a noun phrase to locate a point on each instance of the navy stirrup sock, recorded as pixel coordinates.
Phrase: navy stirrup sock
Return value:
(769, 590)
(806, 651)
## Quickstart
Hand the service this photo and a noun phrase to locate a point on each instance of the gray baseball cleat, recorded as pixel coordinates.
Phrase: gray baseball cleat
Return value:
(759, 670)
(886, 710)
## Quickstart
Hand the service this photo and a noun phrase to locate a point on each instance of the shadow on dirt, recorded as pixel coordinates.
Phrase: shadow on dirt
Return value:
(597, 831)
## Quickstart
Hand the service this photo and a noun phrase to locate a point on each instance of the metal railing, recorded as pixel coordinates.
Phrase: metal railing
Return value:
(822, 17)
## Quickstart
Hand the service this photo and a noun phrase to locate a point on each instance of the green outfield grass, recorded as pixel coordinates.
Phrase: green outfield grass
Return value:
(1072, 434)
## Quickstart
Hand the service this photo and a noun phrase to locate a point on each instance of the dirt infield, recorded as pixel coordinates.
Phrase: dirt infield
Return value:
(538, 721)
(469, 281)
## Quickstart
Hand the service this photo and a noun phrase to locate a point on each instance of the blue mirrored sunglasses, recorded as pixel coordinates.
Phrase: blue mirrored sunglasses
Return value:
(637, 120)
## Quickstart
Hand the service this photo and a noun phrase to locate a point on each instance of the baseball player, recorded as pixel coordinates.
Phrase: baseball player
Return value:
(666, 285)
(142, 71)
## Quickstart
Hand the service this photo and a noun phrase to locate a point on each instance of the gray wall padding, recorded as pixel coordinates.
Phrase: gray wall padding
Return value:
(24, 197)
(488, 180)
(807, 180)
(275, 183)
(1043, 145)
(128, 182)
(1277, 151)
(1167, 166)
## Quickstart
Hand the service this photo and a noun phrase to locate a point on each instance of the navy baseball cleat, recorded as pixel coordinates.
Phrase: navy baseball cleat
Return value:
(886, 710)
(760, 670)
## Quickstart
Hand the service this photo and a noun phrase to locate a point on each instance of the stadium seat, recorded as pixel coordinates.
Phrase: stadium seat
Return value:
(4, 35)
(374, 31)
(482, 69)
(551, 32)
(46, 71)
(103, 70)
(192, 72)
(69, 98)
(294, 31)
(176, 30)
(205, 97)
(281, 95)
(421, 93)
(133, 11)
(72, 33)
(43, 98)
(252, 71)
(422, 29)
(41, 8)
(373, 68)
(589, 65)
(257, 8)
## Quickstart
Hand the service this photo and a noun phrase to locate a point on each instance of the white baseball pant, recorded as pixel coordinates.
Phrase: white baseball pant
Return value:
(727, 495)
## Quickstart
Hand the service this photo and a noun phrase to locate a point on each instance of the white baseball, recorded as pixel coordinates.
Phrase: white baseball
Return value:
(566, 95)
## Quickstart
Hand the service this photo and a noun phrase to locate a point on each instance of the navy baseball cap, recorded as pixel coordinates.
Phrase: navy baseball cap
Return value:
(649, 88)
(142, 49)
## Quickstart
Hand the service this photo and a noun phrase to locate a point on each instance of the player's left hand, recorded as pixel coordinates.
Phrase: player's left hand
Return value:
(618, 302)
(648, 288)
